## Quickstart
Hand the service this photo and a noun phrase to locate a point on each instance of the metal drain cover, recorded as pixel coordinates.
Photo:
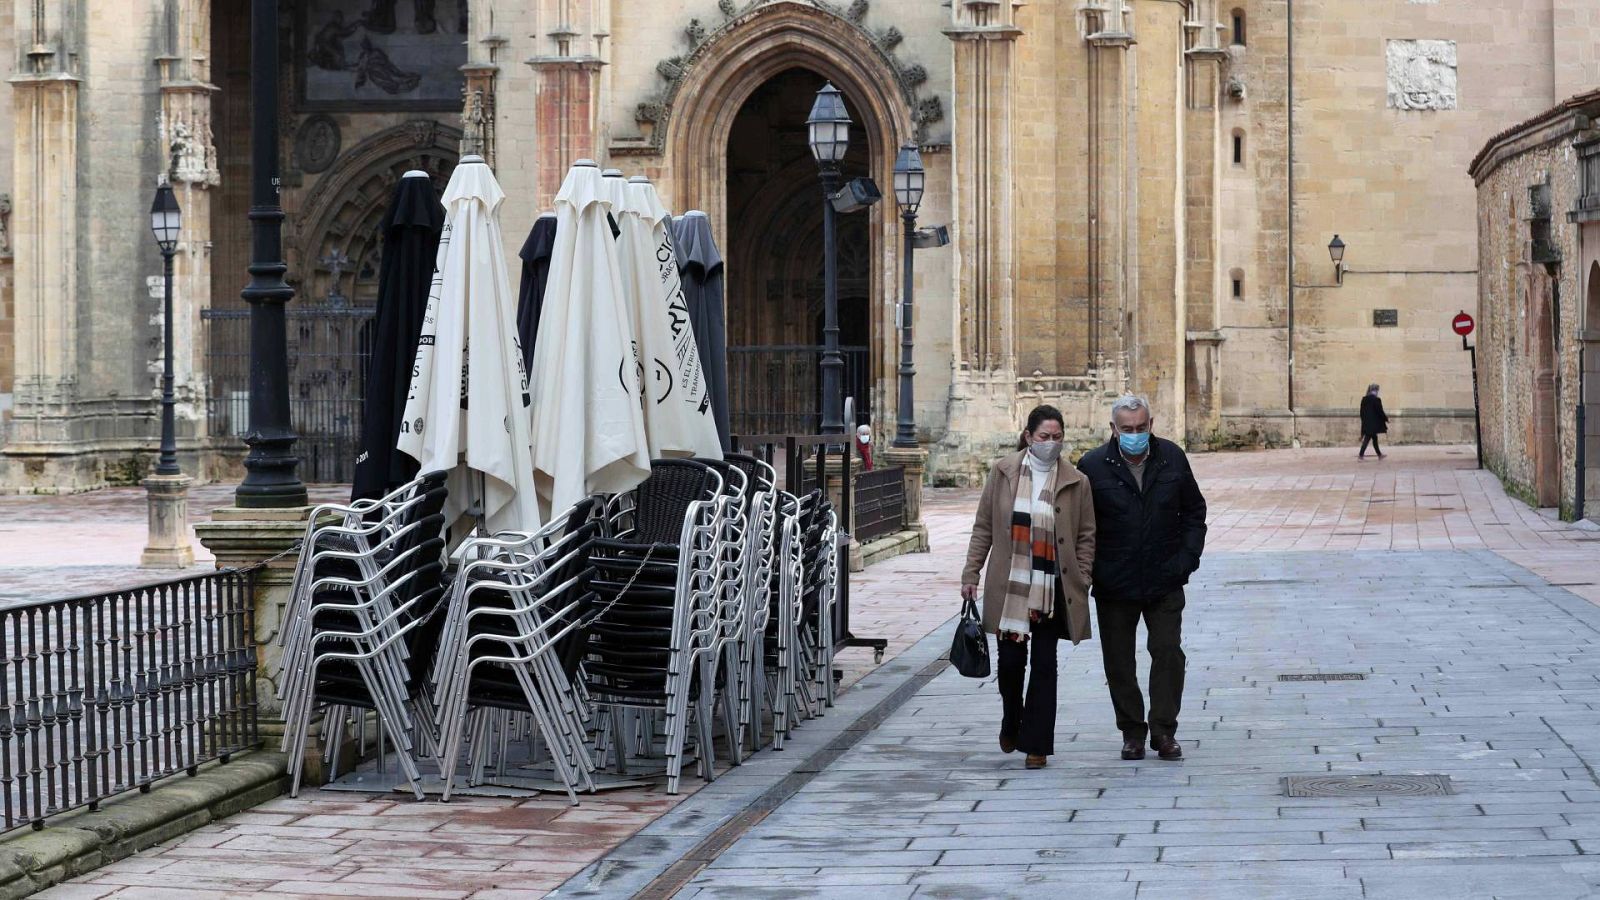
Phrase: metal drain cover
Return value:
(1366, 786)
(1324, 676)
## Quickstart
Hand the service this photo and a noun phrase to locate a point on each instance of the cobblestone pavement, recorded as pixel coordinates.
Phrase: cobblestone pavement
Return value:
(1474, 669)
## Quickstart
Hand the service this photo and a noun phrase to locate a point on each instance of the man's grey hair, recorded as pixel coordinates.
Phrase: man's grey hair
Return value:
(1372, 388)
(1131, 403)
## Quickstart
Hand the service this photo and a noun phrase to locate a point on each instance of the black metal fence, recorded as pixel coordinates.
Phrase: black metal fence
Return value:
(111, 692)
(329, 350)
(880, 501)
(776, 389)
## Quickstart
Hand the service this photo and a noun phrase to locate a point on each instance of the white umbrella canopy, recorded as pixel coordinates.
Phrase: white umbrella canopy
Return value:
(467, 410)
(588, 424)
(678, 419)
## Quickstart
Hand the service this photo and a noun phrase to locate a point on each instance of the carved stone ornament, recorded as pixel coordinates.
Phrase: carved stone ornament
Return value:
(5, 226)
(316, 144)
(911, 76)
(191, 154)
(1422, 74)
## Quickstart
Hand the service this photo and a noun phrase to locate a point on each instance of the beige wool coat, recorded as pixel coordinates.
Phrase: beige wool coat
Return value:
(990, 549)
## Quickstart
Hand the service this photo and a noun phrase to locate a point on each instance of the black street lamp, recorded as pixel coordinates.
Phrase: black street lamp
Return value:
(828, 129)
(166, 221)
(270, 478)
(1336, 251)
(909, 180)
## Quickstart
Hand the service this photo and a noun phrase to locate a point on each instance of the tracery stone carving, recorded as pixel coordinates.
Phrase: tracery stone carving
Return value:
(910, 76)
(1422, 74)
(191, 153)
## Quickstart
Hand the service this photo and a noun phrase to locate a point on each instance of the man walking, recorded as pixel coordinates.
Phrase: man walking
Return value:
(1151, 522)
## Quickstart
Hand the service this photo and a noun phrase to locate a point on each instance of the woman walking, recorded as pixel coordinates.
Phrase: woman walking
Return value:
(1374, 421)
(1034, 533)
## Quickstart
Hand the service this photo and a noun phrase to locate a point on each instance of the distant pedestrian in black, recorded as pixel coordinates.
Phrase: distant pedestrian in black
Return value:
(1374, 421)
(1150, 526)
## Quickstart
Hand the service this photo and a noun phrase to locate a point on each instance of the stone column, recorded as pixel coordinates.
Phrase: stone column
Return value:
(567, 116)
(1206, 152)
(191, 166)
(44, 231)
(983, 388)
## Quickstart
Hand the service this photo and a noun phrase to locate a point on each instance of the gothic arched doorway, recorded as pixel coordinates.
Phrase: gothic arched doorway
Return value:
(775, 291)
(333, 251)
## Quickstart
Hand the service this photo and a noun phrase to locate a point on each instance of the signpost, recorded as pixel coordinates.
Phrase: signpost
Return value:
(1463, 325)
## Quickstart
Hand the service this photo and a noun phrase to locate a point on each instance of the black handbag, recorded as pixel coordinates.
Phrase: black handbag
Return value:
(969, 649)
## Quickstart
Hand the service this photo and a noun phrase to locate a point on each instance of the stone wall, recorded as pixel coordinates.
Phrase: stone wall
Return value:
(1531, 305)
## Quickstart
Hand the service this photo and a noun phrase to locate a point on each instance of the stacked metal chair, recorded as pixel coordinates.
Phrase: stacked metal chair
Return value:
(754, 587)
(359, 626)
(658, 582)
(819, 595)
(779, 654)
(510, 650)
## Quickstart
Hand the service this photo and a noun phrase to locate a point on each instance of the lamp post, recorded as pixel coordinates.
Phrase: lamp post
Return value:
(828, 132)
(1336, 252)
(166, 221)
(270, 478)
(909, 180)
(167, 488)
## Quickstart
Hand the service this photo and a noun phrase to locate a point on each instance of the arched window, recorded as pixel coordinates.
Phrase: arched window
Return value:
(1238, 146)
(1237, 277)
(1238, 27)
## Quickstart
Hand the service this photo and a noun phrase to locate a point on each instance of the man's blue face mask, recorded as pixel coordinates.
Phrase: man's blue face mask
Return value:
(1134, 444)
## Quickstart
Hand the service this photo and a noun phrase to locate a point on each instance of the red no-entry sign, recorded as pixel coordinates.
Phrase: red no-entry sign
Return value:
(1462, 324)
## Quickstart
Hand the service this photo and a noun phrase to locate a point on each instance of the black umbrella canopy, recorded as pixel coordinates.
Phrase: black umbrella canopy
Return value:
(410, 245)
(700, 266)
(535, 275)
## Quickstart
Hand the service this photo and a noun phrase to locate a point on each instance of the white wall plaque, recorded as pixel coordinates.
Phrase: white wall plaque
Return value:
(1422, 74)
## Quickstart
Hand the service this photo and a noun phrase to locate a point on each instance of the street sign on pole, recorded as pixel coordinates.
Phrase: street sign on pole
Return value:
(1462, 324)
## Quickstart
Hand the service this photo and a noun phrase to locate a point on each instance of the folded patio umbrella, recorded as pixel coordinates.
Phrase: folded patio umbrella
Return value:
(410, 242)
(677, 409)
(588, 424)
(535, 274)
(467, 411)
(700, 266)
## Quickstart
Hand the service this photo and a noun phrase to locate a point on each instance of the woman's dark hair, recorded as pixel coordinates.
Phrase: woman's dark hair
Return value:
(1041, 414)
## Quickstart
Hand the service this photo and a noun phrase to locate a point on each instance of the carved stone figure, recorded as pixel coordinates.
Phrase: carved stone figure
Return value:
(1422, 74)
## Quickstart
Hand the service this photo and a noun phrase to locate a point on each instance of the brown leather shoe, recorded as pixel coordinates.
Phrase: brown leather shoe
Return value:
(1008, 743)
(1132, 749)
(1167, 748)
(1034, 762)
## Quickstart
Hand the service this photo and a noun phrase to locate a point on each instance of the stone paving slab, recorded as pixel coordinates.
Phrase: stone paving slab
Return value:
(1458, 665)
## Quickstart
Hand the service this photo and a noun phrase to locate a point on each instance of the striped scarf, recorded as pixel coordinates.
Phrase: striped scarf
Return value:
(1031, 589)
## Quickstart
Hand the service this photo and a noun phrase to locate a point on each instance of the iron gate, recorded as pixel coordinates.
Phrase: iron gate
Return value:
(329, 348)
(777, 389)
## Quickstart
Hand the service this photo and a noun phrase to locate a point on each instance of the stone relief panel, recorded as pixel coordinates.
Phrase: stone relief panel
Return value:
(1422, 74)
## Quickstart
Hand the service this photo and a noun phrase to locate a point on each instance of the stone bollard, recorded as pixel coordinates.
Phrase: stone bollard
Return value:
(913, 461)
(168, 545)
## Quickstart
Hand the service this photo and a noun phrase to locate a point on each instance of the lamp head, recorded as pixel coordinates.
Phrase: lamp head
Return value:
(166, 220)
(828, 126)
(909, 179)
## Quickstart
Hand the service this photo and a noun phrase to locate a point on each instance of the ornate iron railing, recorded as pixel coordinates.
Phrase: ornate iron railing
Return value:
(112, 692)
(880, 502)
(776, 389)
(330, 347)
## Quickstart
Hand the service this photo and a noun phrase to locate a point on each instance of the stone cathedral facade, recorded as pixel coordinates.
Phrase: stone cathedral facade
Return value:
(1140, 196)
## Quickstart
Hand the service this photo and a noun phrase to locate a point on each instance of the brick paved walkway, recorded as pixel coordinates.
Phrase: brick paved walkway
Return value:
(328, 844)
